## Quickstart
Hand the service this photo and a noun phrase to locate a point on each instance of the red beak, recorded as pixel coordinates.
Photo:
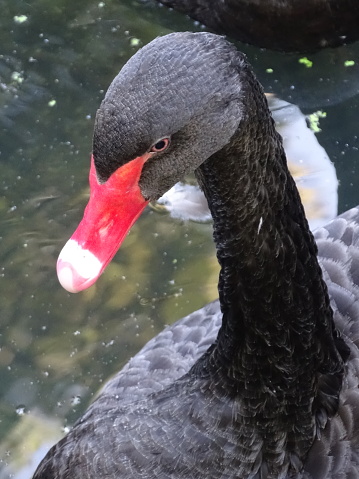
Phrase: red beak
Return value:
(111, 211)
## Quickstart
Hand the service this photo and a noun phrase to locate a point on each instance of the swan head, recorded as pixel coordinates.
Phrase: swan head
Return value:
(174, 104)
(184, 87)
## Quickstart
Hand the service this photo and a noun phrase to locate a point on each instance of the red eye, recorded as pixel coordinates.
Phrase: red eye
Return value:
(160, 145)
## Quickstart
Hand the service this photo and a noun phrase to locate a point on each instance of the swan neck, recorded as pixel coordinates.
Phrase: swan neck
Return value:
(277, 339)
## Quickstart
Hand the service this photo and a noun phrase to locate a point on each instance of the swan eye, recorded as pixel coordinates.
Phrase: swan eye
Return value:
(160, 145)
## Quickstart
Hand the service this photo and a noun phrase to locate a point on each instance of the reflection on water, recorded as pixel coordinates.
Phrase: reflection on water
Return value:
(308, 163)
(56, 349)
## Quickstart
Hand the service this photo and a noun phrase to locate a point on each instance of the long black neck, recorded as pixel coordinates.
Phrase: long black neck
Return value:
(277, 348)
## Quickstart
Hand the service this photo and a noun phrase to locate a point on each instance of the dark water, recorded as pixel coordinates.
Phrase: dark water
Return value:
(56, 349)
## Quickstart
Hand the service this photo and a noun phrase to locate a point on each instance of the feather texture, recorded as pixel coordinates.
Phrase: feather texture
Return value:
(264, 383)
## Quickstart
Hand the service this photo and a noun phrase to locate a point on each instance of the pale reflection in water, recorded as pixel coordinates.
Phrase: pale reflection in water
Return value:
(308, 162)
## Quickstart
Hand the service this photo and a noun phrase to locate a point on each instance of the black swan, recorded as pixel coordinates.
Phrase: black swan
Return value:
(266, 384)
(285, 25)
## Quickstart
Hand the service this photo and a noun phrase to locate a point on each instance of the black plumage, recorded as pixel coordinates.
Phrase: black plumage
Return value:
(284, 25)
(266, 384)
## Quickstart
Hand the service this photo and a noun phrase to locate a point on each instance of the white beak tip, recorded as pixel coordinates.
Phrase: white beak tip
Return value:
(77, 268)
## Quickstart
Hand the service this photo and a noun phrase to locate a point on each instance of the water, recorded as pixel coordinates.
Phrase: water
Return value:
(56, 349)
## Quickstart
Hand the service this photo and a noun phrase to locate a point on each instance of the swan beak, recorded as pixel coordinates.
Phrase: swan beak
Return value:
(112, 209)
